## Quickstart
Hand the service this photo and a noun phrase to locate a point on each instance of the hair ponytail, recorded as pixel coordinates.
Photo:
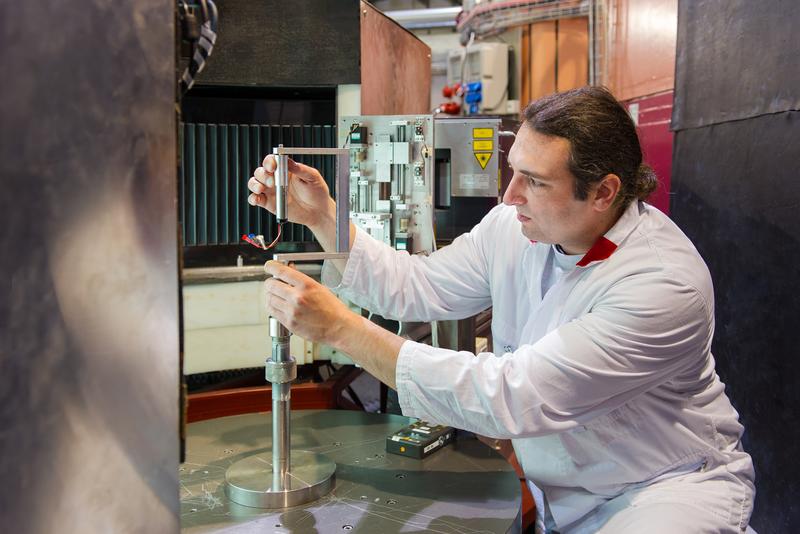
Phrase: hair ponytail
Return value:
(645, 182)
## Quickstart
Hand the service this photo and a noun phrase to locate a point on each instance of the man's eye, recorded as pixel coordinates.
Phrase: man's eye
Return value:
(534, 182)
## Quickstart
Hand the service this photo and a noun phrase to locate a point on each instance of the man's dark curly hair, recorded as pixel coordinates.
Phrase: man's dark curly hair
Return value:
(602, 140)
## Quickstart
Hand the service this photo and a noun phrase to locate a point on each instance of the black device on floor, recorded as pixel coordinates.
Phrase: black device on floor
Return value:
(419, 439)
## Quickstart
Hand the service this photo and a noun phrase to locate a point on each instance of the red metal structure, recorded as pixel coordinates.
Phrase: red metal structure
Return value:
(653, 114)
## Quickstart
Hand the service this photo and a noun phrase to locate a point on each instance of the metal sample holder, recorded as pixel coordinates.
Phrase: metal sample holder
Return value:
(290, 478)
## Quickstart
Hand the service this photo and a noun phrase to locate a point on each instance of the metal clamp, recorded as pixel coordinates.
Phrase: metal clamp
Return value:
(280, 372)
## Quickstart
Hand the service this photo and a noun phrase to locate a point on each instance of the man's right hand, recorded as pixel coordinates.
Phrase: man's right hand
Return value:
(308, 201)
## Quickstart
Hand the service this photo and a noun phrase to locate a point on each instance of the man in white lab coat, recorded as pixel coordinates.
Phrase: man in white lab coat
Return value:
(603, 317)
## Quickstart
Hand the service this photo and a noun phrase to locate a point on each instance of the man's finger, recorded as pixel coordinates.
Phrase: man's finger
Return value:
(286, 274)
(263, 177)
(269, 163)
(274, 309)
(304, 172)
(276, 287)
(274, 301)
(257, 200)
(255, 185)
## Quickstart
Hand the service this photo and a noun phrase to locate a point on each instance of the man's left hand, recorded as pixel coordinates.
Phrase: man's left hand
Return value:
(304, 306)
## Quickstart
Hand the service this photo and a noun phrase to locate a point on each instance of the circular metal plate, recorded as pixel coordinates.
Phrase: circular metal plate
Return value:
(249, 481)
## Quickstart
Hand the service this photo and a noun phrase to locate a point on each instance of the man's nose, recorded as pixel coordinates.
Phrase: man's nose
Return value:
(513, 195)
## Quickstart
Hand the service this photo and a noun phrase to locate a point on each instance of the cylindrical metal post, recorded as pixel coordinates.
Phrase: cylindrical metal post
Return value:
(281, 186)
(281, 447)
(281, 407)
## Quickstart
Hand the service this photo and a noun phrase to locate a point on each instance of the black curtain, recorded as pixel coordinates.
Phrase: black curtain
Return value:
(736, 193)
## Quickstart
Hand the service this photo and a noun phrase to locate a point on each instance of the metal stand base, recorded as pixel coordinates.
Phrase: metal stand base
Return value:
(250, 481)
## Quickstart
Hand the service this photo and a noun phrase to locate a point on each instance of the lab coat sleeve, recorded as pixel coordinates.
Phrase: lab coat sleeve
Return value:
(639, 335)
(451, 283)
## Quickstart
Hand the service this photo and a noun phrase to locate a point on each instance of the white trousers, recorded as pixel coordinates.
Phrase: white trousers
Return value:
(702, 502)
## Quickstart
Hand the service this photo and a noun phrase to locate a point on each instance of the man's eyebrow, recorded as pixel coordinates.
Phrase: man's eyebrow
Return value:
(530, 174)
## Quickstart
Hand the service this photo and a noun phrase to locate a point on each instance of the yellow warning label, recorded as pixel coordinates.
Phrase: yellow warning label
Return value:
(483, 158)
(483, 133)
(484, 144)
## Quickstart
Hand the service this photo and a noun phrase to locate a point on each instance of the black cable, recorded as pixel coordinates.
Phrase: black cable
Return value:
(203, 45)
(353, 129)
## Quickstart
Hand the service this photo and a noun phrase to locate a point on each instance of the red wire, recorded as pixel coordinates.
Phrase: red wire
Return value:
(245, 237)
(277, 237)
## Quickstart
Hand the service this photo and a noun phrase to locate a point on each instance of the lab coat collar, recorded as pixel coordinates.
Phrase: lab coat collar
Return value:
(605, 246)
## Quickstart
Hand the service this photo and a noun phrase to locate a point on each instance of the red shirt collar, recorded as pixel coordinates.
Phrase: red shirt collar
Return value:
(601, 250)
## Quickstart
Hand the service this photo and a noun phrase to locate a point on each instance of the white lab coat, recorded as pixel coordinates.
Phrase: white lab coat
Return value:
(606, 385)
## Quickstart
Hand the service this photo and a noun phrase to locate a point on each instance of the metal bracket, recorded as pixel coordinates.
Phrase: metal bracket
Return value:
(342, 185)
(287, 257)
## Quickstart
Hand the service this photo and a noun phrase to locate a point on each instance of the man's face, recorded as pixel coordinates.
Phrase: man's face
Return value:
(542, 189)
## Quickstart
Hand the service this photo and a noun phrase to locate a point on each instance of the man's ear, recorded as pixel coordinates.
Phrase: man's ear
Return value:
(606, 192)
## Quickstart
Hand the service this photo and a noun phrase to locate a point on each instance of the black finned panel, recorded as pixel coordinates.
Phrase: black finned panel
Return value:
(217, 161)
(715, 40)
(286, 43)
(226, 133)
(736, 194)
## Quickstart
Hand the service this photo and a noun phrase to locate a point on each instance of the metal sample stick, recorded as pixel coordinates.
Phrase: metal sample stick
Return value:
(311, 476)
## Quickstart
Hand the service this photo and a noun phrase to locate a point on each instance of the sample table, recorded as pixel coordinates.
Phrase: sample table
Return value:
(464, 488)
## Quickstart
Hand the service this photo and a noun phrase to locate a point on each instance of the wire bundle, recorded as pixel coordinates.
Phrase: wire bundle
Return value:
(258, 241)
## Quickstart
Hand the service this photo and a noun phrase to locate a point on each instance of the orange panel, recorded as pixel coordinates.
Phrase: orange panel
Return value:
(525, 62)
(239, 401)
(642, 54)
(395, 67)
(305, 396)
(573, 53)
(543, 59)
